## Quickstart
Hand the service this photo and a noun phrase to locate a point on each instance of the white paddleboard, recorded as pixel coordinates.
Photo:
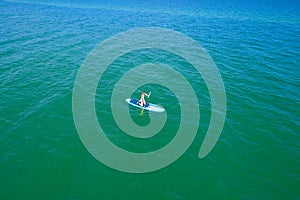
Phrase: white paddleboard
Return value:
(148, 106)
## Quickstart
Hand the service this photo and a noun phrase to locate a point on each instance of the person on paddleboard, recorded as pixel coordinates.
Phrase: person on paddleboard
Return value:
(142, 101)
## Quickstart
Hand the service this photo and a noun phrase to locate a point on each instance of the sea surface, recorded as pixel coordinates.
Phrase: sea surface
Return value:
(254, 44)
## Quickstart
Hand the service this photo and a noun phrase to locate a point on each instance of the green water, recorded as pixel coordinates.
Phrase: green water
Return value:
(255, 49)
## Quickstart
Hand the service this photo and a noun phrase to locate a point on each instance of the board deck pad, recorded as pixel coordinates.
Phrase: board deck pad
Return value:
(136, 102)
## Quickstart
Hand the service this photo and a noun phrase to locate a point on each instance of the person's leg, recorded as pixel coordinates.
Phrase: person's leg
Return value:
(144, 102)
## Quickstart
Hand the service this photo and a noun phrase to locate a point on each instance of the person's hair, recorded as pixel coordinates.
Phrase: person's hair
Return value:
(144, 91)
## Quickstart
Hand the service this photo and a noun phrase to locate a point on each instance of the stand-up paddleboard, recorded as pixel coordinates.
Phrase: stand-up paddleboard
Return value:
(148, 106)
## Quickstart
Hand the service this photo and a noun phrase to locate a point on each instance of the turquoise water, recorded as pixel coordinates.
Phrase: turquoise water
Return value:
(255, 47)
